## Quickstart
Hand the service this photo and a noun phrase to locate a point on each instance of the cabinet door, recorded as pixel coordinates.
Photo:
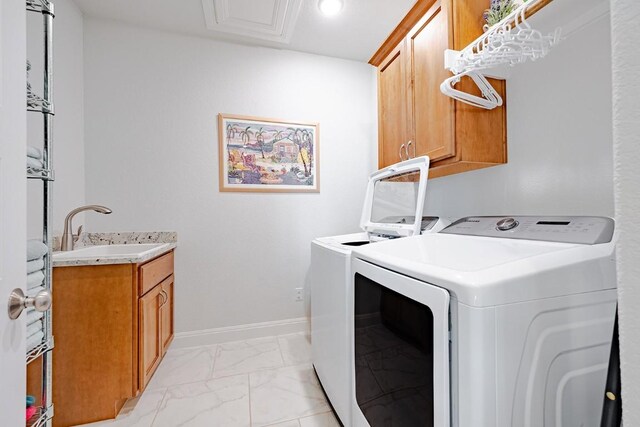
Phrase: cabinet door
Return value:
(150, 343)
(166, 314)
(393, 118)
(433, 118)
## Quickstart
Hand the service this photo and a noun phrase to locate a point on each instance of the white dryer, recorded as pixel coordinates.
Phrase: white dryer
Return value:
(493, 322)
(393, 208)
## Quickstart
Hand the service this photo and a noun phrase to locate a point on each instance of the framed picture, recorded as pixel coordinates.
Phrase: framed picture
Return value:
(267, 155)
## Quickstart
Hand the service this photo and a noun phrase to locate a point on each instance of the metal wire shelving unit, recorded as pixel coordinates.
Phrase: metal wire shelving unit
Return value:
(44, 106)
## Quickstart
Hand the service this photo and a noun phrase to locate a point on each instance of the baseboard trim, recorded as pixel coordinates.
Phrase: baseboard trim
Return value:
(240, 332)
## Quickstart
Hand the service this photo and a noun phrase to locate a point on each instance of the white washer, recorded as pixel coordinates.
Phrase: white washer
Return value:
(393, 208)
(493, 322)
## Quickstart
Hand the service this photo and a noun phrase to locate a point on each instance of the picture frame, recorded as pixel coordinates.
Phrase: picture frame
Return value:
(258, 154)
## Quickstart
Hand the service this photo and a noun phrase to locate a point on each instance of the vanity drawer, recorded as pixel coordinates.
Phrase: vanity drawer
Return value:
(154, 272)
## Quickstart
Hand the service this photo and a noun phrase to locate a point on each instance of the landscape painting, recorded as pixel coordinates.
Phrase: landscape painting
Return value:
(267, 155)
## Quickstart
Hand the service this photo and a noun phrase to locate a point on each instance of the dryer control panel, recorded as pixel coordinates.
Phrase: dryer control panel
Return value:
(588, 230)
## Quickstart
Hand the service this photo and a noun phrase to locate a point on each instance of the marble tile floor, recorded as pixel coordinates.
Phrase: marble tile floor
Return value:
(254, 383)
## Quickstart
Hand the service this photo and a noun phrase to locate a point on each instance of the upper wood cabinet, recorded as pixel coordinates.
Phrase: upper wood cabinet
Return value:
(456, 137)
(393, 120)
(432, 124)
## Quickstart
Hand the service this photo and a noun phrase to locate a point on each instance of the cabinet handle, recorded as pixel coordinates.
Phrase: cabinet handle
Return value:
(400, 152)
(165, 298)
(414, 150)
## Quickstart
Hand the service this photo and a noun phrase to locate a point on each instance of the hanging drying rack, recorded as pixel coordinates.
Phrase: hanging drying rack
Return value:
(510, 42)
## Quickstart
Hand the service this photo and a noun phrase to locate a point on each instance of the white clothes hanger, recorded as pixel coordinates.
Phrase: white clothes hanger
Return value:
(490, 97)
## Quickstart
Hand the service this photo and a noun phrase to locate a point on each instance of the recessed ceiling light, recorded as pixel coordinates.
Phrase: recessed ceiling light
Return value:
(330, 7)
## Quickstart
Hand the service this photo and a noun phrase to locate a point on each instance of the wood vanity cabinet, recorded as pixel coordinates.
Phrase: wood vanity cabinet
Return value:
(156, 314)
(150, 344)
(166, 315)
(156, 327)
(112, 325)
(414, 117)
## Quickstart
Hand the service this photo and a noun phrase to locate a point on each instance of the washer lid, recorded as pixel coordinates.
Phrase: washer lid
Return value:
(395, 196)
(488, 271)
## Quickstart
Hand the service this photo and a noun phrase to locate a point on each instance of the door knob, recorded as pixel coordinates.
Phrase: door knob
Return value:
(400, 152)
(18, 302)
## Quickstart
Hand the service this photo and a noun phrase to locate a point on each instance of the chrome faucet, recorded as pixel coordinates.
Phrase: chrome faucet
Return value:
(68, 238)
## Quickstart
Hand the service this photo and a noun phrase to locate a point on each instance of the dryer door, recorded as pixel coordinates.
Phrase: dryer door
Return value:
(400, 350)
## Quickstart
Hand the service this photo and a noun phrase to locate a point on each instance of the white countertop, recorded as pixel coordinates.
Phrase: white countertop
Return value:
(131, 253)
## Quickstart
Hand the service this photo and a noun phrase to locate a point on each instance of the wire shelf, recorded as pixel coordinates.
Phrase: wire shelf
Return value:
(510, 42)
(39, 350)
(38, 105)
(40, 6)
(43, 174)
(41, 417)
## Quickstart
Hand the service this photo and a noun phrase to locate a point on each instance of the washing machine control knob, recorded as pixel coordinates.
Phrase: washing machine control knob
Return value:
(506, 224)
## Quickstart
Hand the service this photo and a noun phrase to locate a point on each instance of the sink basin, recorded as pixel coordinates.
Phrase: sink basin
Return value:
(123, 253)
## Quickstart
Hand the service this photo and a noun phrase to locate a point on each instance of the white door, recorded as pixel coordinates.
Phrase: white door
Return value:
(13, 188)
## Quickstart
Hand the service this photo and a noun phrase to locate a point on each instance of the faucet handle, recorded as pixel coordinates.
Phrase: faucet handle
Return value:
(77, 236)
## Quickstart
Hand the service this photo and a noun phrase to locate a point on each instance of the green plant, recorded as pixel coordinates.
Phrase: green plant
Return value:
(498, 10)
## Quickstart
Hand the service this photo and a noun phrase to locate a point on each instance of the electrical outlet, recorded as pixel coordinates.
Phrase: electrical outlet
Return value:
(299, 296)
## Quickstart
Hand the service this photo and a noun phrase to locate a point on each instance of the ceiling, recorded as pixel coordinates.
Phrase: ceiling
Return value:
(356, 33)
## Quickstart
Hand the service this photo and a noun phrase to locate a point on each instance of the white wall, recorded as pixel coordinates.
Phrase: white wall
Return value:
(68, 132)
(559, 139)
(151, 102)
(626, 126)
